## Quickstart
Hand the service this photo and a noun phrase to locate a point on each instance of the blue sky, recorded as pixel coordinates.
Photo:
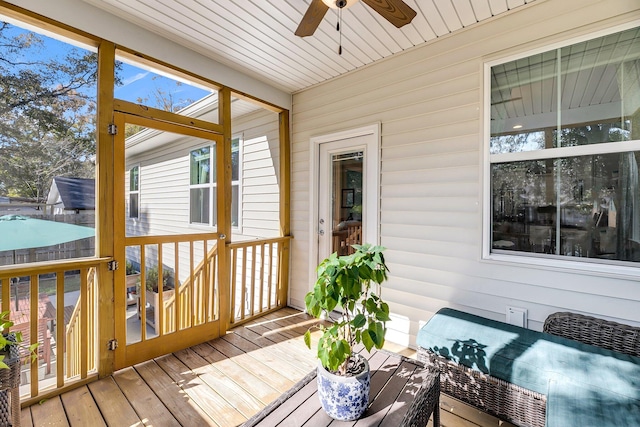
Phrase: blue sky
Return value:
(140, 83)
(137, 83)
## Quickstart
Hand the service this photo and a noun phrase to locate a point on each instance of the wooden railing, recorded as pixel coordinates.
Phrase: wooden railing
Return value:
(193, 303)
(189, 299)
(64, 296)
(83, 318)
(54, 304)
(257, 285)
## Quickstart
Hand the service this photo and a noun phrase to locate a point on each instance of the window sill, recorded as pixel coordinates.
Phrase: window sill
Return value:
(586, 266)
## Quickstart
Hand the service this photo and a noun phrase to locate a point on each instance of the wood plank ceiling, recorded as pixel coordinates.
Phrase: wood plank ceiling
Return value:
(257, 36)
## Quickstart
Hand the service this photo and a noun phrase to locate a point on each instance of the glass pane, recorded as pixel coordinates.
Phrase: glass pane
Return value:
(133, 178)
(201, 166)
(214, 198)
(235, 159)
(199, 205)
(346, 196)
(599, 86)
(591, 202)
(234, 205)
(133, 205)
(143, 84)
(47, 121)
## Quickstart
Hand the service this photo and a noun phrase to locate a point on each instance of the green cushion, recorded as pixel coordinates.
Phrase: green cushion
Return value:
(578, 405)
(528, 358)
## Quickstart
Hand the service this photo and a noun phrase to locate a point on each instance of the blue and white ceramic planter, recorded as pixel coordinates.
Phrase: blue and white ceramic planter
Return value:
(344, 398)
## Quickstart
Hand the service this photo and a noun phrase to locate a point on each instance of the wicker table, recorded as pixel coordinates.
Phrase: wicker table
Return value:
(404, 392)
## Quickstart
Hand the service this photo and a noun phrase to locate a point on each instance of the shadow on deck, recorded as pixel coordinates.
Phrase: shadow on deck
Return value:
(219, 383)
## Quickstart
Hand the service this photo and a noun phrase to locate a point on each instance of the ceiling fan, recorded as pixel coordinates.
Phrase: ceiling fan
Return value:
(395, 11)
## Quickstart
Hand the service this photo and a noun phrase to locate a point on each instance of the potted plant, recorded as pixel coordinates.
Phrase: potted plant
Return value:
(345, 282)
(10, 346)
(152, 295)
(132, 278)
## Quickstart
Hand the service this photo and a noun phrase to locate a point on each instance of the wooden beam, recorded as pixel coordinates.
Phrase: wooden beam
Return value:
(223, 173)
(48, 24)
(105, 193)
(285, 204)
(158, 117)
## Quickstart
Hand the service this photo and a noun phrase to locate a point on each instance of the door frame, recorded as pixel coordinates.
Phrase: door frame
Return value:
(128, 354)
(372, 179)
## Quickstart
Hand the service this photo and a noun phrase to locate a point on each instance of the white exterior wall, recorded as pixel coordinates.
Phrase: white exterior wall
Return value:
(429, 101)
(164, 182)
(164, 186)
(260, 173)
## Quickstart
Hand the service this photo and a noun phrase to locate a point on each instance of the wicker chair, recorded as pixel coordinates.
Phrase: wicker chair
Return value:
(599, 332)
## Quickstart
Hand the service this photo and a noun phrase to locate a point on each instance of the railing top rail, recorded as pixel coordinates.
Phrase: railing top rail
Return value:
(51, 266)
(247, 243)
(169, 238)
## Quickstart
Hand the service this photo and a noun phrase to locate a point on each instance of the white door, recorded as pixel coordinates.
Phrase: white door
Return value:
(348, 201)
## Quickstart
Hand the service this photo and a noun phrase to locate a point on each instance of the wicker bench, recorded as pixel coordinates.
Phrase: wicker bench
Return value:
(490, 377)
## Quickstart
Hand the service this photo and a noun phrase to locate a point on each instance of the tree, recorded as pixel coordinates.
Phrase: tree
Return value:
(162, 99)
(47, 112)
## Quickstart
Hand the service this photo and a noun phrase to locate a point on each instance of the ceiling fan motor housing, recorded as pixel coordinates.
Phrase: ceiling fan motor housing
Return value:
(339, 4)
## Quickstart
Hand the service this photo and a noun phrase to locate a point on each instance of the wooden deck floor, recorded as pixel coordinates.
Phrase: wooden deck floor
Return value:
(219, 383)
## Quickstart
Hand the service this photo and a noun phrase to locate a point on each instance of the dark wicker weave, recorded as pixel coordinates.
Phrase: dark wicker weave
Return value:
(9, 390)
(497, 397)
(599, 332)
(426, 402)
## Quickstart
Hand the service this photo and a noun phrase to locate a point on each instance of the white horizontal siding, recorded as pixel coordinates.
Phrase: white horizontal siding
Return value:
(260, 171)
(164, 182)
(429, 102)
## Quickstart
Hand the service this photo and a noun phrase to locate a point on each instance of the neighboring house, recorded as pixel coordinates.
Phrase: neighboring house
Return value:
(72, 195)
(185, 203)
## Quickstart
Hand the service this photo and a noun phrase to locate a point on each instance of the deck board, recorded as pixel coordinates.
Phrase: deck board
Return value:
(49, 413)
(218, 409)
(143, 400)
(171, 395)
(219, 383)
(114, 406)
(241, 399)
(80, 408)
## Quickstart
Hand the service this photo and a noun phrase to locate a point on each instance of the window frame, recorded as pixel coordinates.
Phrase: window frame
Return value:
(238, 182)
(211, 185)
(592, 266)
(134, 192)
(208, 186)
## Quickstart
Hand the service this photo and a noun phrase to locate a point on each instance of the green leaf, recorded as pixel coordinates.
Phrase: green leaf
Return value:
(367, 341)
(307, 338)
(359, 321)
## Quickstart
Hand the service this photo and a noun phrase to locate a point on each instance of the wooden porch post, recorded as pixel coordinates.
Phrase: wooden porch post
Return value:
(223, 208)
(285, 203)
(105, 205)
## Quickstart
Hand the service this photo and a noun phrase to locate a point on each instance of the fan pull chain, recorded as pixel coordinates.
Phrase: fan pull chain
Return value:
(339, 28)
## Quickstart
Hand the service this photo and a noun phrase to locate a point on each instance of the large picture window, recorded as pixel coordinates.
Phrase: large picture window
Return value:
(564, 152)
(203, 186)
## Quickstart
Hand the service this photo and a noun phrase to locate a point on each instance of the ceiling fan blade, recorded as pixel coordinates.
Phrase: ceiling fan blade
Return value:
(312, 18)
(395, 11)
